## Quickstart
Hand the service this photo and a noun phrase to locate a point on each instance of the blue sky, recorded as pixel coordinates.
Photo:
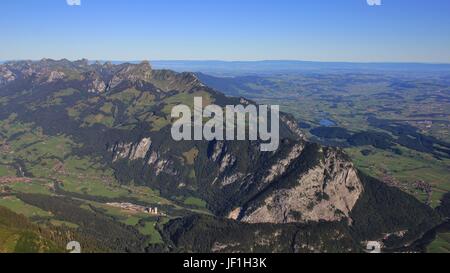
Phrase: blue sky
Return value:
(320, 30)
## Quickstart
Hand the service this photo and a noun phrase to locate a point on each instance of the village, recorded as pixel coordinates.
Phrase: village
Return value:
(6, 180)
(136, 208)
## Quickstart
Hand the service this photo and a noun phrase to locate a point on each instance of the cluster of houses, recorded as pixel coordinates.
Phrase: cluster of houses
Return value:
(5, 180)
(135, 208)
(425, 123)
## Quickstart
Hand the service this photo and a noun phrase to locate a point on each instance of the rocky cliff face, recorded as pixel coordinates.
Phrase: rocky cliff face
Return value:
(142, 150)
(6, 75)
(131, 151)
(94, 82)
(326, 192)
(305, 183)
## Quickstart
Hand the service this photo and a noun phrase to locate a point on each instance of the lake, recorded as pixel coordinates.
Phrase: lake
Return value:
(327, 123)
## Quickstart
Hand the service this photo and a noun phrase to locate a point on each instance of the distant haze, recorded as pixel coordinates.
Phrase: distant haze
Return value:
(292, 66)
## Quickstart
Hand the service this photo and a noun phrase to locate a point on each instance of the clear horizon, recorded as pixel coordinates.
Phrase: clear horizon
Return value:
(225, 61)
(401, 31)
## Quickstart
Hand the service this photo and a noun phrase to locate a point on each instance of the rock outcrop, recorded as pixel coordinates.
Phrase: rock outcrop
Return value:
(6, 75)
(131, 151)
(327, 192)
(94, 82)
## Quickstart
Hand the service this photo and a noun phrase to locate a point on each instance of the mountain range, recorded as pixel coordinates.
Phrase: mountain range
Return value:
(110, 127)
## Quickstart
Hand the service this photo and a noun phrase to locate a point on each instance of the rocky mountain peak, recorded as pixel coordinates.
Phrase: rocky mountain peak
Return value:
(94, 82)
(145, 64)
(6, 75)
(132, 73)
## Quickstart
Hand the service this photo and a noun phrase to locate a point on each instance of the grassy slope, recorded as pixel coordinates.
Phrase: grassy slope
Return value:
(441, 244)
(78, 175)
(18, 235)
